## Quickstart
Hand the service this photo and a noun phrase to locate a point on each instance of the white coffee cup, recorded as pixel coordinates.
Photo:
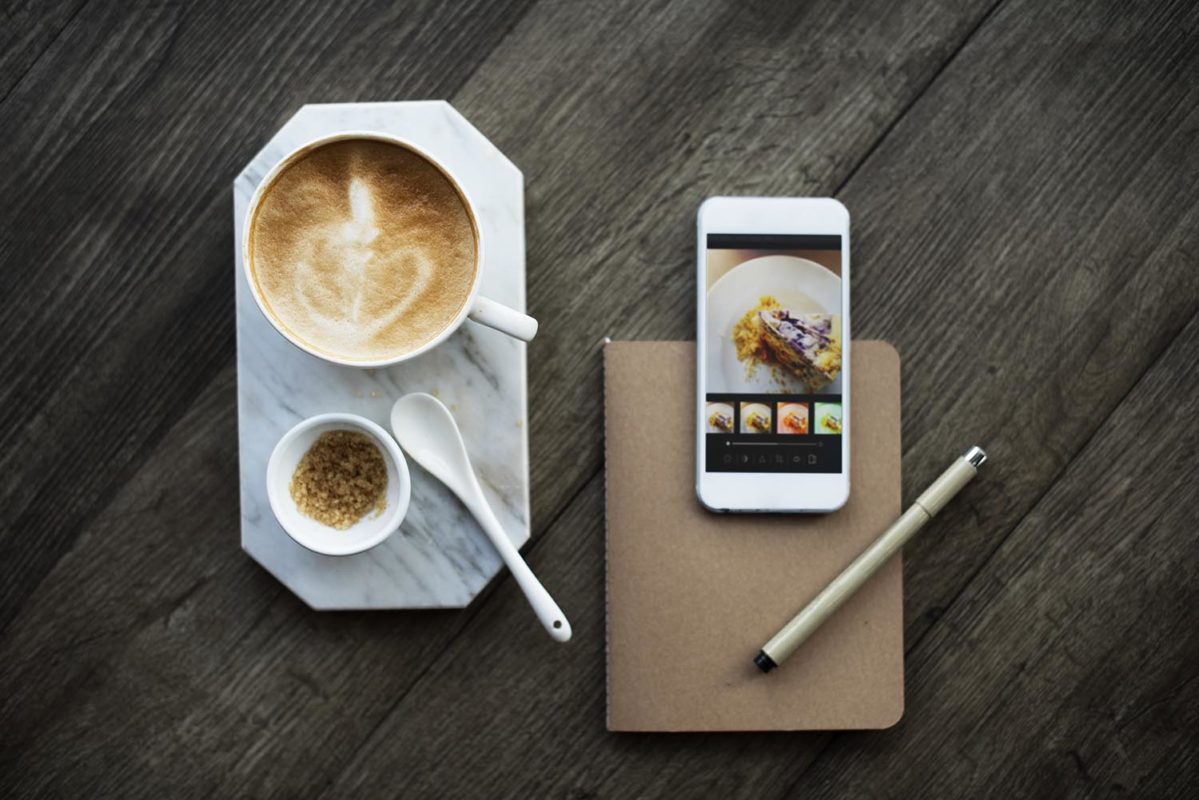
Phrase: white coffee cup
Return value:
(476, 308)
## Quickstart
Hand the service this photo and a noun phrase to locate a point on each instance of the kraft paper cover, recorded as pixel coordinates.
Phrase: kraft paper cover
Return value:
(692, 595)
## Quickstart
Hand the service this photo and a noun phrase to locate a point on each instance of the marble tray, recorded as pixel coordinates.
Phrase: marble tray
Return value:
(439, 558)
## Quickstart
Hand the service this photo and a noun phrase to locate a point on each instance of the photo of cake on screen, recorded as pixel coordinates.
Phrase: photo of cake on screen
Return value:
(829, 419)
(793, 419)
(719, 417)
(774, 317)
(773, 353)
(755, 418)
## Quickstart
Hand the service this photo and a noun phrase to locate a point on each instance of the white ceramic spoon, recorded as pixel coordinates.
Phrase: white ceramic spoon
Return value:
(427, 432)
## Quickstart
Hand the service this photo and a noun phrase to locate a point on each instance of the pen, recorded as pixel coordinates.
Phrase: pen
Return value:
(805, 623)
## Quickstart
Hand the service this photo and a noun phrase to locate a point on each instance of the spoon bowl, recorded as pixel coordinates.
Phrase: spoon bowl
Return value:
(423, 425)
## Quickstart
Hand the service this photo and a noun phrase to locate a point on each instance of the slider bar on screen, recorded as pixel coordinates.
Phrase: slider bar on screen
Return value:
(775, 444)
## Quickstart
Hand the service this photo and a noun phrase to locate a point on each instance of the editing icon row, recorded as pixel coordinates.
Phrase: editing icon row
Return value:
(761, 461)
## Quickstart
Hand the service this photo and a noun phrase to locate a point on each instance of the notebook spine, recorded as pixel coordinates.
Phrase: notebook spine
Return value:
(607, 616)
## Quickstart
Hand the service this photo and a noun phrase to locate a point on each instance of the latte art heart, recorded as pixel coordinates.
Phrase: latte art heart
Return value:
(363, 250)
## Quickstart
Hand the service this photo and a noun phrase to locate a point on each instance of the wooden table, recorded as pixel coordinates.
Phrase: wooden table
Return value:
(1024, 180)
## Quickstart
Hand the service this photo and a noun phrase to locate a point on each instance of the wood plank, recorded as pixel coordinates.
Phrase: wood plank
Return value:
(1069, 666)
(1049, 260)
(195, 689)
(158, 656)
(624, 120)
(503, 709)
(236, 721)
(1064, 332)
(114, 186)
(30, 27)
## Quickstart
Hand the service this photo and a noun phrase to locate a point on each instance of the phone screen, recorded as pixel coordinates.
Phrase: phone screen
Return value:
(773, 374)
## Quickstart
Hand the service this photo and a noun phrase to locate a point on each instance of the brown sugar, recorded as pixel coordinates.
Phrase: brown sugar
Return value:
(341, 479)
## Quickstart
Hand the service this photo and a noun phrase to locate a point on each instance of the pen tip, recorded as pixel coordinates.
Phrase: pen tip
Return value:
(764, 662)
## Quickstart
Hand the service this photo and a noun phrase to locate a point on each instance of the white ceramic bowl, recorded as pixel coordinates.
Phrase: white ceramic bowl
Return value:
(368, 531)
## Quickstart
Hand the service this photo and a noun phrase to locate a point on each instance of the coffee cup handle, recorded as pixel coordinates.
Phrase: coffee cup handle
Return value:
(503, 319)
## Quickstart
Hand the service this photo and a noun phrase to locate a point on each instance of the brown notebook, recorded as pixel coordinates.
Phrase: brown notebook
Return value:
(692, 595)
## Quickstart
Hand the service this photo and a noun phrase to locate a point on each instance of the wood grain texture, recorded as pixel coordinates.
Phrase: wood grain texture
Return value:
(501, 714)
(194, 719)
(1023, 182)
(1066, 668)
(1048, 261)
(128, 320)
(625, 117)
(1045, 350)
(157, 657)
(114, 188)
(30, 28)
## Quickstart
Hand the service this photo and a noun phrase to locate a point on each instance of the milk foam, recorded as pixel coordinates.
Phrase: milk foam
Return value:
(363, 250)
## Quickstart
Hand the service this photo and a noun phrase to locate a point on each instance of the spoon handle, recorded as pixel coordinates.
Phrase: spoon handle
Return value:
(544, 607)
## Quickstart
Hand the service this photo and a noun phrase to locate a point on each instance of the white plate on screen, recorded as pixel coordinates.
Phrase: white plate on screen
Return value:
(798, 284)
(713, 408)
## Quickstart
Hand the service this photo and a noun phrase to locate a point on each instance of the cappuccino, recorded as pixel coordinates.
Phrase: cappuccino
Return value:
(363, 250)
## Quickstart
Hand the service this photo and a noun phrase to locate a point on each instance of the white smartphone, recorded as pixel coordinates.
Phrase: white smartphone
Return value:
(772, 410)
